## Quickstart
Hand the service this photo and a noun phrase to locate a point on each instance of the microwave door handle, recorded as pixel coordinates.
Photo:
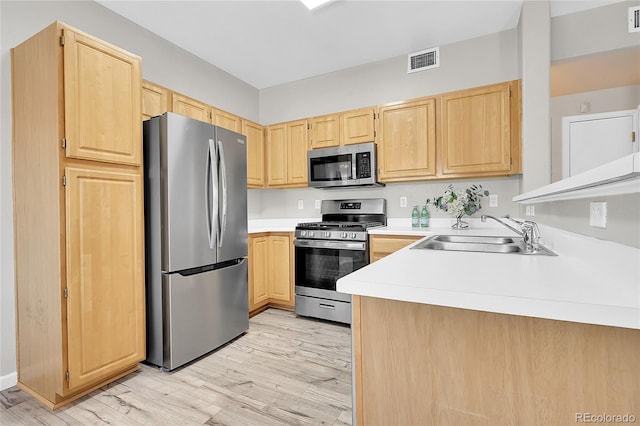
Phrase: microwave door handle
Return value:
(212, 207)
(223, 178)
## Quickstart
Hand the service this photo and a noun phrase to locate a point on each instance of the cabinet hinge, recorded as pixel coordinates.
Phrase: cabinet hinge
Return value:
(509, 91)
(633, 136)
(64, 142)
(66, 292)
(61, 40)
(64, 180)
(66, 375)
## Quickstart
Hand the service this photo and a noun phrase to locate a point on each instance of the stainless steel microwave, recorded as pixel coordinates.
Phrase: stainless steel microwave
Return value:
(344, 166)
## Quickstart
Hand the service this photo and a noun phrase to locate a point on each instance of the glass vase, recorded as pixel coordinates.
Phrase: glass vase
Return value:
(460, 224)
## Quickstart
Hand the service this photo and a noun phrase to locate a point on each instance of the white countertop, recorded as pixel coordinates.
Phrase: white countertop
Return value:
(590, 281)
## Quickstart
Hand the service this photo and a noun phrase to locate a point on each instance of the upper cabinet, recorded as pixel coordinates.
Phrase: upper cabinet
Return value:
(255, 153)
(97, 77)
(227, 120)
(188, 107)
(357, 126)
(155, 100)
(476, 131)
(325, 131)
(407, 141)
(286, 152)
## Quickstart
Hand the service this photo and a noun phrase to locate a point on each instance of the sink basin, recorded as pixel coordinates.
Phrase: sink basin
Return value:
(479, 243)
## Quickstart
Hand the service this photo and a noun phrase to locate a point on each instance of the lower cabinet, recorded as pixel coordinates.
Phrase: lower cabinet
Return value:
(270, 271)
(383, 245)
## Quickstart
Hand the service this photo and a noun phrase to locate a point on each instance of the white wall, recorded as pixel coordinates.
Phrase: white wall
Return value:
(476, 62)
(163, 63)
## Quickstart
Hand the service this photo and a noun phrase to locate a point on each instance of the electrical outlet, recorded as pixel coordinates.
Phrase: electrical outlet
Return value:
(300, 204)
(493, 200)
(403, 201)
(598, 214)
(317, 204)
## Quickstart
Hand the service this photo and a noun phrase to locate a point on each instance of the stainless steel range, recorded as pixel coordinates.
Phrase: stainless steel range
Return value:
(331, 249)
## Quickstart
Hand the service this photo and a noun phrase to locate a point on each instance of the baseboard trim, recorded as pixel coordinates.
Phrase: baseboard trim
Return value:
(8, 380)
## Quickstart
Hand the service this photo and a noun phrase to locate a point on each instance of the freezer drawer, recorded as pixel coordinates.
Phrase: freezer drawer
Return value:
(203, 312)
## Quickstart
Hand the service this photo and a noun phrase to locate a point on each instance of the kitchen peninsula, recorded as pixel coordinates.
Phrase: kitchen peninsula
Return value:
(453, 338)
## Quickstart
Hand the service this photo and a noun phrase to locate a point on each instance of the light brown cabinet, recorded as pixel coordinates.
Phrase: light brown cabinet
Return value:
(78, 214)
(358, 126)
(270, 271)
(255, 153)
(325, 131)
(383, 245)
(351, 127)
(225, 119)
(407, 141)
(189, 107)
(477, 135)
(286, 152)
(155, 100)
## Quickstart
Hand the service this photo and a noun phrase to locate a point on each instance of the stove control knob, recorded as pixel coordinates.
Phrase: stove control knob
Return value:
(343, 235)
(311, 233)
(353, 235)
(303, 233)
(327, 234)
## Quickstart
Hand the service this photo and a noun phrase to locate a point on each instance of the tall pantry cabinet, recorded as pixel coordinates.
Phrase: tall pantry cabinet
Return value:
(78, 213)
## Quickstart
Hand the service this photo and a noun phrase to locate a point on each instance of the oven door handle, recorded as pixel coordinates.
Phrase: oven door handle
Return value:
(340, 245)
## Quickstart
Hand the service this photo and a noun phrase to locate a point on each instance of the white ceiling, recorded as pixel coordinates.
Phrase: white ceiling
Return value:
(268, 42)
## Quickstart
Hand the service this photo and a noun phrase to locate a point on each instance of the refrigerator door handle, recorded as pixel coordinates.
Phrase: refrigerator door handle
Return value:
(212, 194)
(223, 177)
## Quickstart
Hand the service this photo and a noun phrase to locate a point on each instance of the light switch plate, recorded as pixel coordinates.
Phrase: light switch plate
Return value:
(403, 201)
(317, 205)
(598, 214)
(300, 204)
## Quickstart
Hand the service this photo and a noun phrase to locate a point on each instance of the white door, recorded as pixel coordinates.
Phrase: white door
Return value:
(591, 140)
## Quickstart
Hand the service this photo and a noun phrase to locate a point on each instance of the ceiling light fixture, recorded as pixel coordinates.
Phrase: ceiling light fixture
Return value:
(312, 4)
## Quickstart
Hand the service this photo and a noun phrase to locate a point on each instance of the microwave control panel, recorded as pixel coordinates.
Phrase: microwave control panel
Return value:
(363, 165)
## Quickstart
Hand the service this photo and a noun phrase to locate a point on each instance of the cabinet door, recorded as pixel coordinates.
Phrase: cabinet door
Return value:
(102, 101)
(105, 273)
(191, 108)
(279, 269)
(476, 132)
(297, 146)
(155, 100)
(255, 153)
(258, 272)
(407, 145)
(325, 131)
(276, 155)
(226, 120)
(358, 126)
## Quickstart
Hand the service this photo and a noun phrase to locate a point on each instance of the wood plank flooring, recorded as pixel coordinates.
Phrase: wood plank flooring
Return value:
(285, 370)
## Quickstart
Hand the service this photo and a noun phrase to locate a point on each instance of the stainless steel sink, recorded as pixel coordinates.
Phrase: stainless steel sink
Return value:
(480, 243)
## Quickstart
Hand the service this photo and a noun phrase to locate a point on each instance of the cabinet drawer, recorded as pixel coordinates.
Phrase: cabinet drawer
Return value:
(384, 245)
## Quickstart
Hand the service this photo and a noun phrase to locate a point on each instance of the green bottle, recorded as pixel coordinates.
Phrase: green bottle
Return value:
(415, 217)
(424, 217)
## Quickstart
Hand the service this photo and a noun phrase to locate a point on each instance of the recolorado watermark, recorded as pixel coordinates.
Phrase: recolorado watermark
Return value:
(605, 418)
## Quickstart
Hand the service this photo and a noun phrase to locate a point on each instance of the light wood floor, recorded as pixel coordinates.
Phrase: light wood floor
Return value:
(284, 370)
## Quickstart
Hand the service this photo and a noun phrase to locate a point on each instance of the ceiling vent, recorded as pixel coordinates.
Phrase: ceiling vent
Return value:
(423, 60)
(634, 19)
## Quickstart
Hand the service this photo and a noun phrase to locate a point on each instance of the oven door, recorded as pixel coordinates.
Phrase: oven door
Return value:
(319, 264)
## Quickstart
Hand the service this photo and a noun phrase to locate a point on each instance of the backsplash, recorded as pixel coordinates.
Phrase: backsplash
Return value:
(283, 203)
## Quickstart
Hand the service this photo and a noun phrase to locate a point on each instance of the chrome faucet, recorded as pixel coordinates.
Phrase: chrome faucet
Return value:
(528, 230)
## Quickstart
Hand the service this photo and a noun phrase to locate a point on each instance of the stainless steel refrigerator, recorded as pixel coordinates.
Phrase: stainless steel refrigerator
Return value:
(196, 238)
